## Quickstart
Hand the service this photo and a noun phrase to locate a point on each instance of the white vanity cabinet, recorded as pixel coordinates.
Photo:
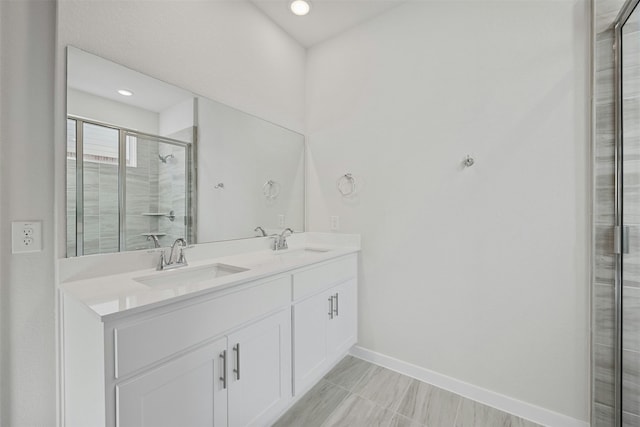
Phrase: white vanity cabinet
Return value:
(259, 371)
(186, 391)
(228, 358)
(325, 318)
(238, 380)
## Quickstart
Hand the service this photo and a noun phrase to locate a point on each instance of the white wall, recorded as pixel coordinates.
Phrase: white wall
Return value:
(478, 274)
(27, 323)
(89, 106)
(177, 118)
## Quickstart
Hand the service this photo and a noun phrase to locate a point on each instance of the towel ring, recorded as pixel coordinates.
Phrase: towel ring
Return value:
(271, 189)
(346, 185)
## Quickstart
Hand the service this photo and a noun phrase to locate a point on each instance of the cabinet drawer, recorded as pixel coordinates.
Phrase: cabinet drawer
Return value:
(317, 279)
(145, 342)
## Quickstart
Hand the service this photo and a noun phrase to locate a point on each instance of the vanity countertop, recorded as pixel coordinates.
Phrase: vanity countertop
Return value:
(116, 295)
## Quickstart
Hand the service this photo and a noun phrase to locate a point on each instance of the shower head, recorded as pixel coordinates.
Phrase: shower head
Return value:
(164, 159)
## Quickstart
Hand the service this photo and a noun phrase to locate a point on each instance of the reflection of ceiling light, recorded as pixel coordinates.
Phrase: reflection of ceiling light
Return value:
(300, 7)
(125, 92)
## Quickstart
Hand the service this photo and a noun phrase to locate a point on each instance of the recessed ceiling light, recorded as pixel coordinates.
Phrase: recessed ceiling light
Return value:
(125, 92)
(300, 7)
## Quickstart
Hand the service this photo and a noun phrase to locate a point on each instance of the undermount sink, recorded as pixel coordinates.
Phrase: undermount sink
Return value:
(189, 275)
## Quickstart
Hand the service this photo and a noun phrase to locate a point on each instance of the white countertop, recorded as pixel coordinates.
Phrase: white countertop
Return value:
(115, 295)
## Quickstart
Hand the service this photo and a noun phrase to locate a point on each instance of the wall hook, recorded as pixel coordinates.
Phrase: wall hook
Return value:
(468, 161)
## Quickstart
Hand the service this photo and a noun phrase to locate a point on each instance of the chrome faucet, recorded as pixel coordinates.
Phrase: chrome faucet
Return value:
(156, 242)
(261, 230)
(280, 241)
(165, 264)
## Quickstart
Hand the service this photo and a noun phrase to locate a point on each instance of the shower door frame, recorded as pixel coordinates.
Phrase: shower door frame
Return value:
(620, 237)
(190, 189)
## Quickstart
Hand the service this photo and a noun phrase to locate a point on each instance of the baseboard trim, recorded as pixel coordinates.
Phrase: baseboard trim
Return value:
(504, 403)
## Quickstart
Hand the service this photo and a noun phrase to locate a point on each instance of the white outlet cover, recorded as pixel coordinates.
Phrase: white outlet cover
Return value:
(26, 237)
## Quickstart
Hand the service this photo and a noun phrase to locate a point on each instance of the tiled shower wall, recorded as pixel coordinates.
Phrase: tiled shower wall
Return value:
(603, 303)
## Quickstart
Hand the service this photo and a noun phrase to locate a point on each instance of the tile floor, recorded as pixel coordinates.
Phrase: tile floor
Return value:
(360, 394)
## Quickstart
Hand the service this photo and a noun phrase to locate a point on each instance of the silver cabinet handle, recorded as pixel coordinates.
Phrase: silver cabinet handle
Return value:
(330, 307)
(236, 348)
(223, 378)
(336, 309)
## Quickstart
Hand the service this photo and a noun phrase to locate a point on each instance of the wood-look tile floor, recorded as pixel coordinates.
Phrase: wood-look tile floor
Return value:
(360, 394)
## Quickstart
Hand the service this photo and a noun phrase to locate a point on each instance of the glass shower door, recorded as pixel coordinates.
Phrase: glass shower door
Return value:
(125, 190)
(628, 289)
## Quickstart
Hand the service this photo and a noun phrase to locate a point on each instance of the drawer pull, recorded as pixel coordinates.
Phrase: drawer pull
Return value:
(336, 309)
(330, 299)
(236, 348)
(223, 378)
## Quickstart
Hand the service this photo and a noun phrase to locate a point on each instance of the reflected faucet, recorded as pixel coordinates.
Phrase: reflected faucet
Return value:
(261, 230)
(165, 264)
(156, 242)
(281, 240)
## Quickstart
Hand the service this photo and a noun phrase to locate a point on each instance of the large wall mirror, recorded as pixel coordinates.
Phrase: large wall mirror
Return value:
(149, 162)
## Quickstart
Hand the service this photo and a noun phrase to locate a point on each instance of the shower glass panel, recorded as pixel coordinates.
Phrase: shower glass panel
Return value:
(157, 182)
(628, 359)
(100, 156)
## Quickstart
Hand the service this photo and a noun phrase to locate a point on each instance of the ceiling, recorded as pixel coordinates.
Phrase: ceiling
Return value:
(326, 19)
(101, 77)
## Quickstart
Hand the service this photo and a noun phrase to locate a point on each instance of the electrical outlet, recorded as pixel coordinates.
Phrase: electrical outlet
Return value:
(26, 236)
(335, 223)
(281, 220)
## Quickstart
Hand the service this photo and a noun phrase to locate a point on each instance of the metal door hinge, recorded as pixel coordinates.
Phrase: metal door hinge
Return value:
(621, 239)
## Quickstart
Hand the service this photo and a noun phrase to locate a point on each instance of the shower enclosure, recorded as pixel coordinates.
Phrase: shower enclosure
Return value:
(621, 388)
(125, 190)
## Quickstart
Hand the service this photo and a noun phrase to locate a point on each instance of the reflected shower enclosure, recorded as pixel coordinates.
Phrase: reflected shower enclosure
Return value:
(125, 189)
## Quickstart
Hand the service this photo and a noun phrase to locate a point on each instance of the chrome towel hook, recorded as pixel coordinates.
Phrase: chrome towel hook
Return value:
(468, 161)
(346, 185)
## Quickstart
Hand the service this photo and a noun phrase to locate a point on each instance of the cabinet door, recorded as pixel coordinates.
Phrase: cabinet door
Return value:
(310, 319)
(342, 330)
(260, 371)
(186, 392)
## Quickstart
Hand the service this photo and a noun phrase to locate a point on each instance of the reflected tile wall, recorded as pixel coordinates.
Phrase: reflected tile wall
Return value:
(172, 179)
(71, 207)
(100, 207)
(142, 195)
